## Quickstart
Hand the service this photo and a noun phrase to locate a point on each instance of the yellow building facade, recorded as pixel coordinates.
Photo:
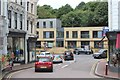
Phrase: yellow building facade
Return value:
(81, 36)
(74, 37)
(42, 39)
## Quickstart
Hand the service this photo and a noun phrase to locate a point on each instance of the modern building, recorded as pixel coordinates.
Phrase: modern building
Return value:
(84, 36)
(20, 30)
(114, 14)
(50, 33)
(114, 35)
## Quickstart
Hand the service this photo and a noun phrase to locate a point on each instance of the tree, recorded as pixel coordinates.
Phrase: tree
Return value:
(81, 18)
(64, 10)
(85, 14)
(91, 6)
(80, 6)
(101, 14)
(45, 11)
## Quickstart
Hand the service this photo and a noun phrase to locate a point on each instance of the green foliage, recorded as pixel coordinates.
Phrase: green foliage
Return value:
(45, 12)
(80, 6)
(85, 14)
(63, 10)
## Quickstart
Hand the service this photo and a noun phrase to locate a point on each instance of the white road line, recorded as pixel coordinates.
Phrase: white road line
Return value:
(59, 64)
(10, 75)
(64, 66)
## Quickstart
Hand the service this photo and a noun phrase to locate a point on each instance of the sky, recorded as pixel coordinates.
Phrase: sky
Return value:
(59, 3)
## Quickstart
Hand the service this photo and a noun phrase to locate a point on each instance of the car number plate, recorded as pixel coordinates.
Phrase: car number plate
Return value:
(43, 67)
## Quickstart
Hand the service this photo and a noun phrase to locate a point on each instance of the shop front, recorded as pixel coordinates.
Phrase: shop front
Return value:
(114, 50)
(16, 46)
(72, 44)
(31, 48)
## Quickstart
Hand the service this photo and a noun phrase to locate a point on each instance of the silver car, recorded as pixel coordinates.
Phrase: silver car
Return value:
(102, 53)
(57, 59)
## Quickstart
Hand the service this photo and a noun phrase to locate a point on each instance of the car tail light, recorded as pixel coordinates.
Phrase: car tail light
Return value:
(36, 63)
(49, 63)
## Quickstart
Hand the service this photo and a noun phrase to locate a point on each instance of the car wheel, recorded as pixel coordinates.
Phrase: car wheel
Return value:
(36, 70)
(88, 53)
(51, 70)
(100, 57)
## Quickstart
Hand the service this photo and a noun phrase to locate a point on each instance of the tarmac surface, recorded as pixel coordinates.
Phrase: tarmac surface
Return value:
(99, 70)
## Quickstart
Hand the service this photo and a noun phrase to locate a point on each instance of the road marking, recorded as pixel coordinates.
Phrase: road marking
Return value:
(92, 69)
(59, 64)
(11, 74)
(64, 66)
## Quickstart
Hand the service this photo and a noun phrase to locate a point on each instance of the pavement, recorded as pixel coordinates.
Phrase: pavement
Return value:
(16, 68)
(99, 70)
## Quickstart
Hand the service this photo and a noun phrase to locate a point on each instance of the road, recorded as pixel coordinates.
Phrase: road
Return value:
(82, 67)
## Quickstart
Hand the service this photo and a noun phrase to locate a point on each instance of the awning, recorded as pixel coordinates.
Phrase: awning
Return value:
(118, 41)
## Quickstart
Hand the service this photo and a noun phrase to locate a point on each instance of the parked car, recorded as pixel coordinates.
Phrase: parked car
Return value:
(45, 54)
(68, 55)
(102, 53)
(43, 64)
(57, 59)
(78, 51)
(82, 50)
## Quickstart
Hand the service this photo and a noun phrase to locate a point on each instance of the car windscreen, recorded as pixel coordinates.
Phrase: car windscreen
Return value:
(43, 60)
(57, 56)
(100, 51)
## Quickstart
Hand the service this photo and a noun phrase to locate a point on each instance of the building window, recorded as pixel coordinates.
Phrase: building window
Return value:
(15, 17)
(74, 34)
(97, 34)
(98, 44)
(51, 24)
(60, 34)
(37, 33)
(38, 44)
(44, 24)
(48, 34)
(27, 24)
(20, 2)
(52, 34)
(21, 21)
(67, 34)
(37, 24)
(27, 6)
(84, 34)
(31, 8)
(31, 23)
(85, 43)
(9, 18)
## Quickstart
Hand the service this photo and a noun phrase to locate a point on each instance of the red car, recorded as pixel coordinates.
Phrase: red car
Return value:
(43, 64)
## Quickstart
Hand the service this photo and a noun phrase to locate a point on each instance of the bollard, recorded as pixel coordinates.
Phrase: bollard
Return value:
(106, 69)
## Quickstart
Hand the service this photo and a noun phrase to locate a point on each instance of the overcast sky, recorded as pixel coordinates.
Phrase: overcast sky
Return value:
(58, 3)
